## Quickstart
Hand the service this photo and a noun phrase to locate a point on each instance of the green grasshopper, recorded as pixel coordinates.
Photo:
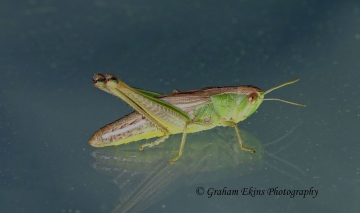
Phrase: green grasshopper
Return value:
(158, 115)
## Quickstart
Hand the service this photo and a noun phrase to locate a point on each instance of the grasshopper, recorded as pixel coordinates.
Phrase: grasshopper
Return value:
(158, 115)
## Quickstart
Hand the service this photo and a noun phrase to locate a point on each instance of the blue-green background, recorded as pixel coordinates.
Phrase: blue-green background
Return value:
(49, 51)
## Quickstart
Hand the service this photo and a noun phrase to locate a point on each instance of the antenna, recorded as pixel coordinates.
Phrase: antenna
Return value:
(279, 86)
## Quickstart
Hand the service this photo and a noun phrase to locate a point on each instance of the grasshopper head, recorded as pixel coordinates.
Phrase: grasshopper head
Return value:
(255, 96)
(255, 99)
(252, 98)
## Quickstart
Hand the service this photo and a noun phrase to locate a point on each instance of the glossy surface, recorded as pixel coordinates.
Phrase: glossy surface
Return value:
(49, 108)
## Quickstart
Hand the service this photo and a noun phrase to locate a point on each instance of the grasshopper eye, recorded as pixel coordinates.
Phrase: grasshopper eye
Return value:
(252, 97)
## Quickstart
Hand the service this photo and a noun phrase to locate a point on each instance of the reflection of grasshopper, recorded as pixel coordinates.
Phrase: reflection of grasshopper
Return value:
(146, 178)
(180, 112)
